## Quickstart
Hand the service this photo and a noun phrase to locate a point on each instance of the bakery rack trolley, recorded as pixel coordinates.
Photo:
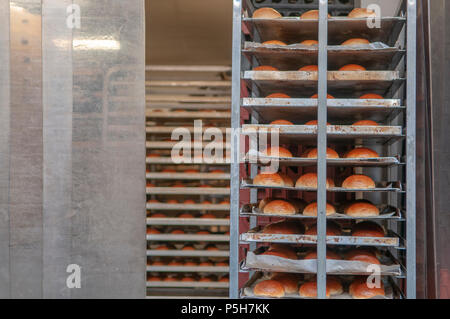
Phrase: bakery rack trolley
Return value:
(397, 110)
(176, 96)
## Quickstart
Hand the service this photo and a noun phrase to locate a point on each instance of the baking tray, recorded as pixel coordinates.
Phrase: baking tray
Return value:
(188, 176)
(380, 187)
(188, 237)
(304, 84)
(187, 191)
(188, 269)
(301, 110)
(187, 253)
(386, 213)
(340, 29)
(292, 57)
(181, 284)
(208, 207)
(189, 221)
(254, 235)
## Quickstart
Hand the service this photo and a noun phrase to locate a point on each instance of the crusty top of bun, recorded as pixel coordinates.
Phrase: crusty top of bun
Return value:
(309, 289)
(311, 15)
(331, 153)
(267, 179)
(361, 13)
(284, 227)
(371, 96)
(355, 42)
(288, 182)
(315, 96)
(314, 122)
(309, 42)
(269, 288)
(365, 123)
(330, 255)
(289, 282)
(265, 68)
(281, 253)
(362, 152)
(358, 182)
(280, 207)
(278, 152)
(281, 122)
(309, 68)
(278, 96)
(311, 209)
(289, 250)
(274, 42)
(352, 67)
(333, 229)
(266, 13)
(360, 290)
(310, 180)
(367, 229)
(362, 209)
(363, 255)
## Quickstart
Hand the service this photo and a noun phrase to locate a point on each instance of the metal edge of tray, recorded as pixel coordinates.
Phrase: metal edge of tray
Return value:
(188, 237)
(209, 207)
(221, 269)
(187, 176)
(187, 191)
(181, 284)
(188, 221)
(187, 253)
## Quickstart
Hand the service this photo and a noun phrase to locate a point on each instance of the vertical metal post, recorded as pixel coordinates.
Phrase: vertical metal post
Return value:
(411, 150)
(322, 146)
(235, 147)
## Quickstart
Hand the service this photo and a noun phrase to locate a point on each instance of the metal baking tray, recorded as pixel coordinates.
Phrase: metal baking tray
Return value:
(304, 84)
(292, 57)
(386, 213)
(188, 268)
(188, 253)
(189, 221)
(380, 187)
(181, 284)
(337, 109)
(340, 29)
(209, 207)
(188, 176)
(263, 160)
(187, 191)
(254, 235)
(188, 237)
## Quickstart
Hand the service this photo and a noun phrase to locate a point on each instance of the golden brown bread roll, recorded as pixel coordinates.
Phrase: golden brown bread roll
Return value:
(359, 289)
(362, 152)
(278, 96)
(278, 152)
(265, 68)
(309, 42)
(371, 96)
(280, 207)
(268, 179)
(289, 282)
(310, 180)
(309, 289)
(365, 123)
(284, 227)
(361, 13)
(362, 209)
(331, 153)
(309, 68)
(311, 15)
(330, 255)
(333, 229)
(288, 250)
(352, 67)
(355, 42)
(281, 122)
(269, 288)
(274, 42)
(315, 96)
(367, 229)
(266, 13)
(358, 182)
(311, 209)
(363, 255)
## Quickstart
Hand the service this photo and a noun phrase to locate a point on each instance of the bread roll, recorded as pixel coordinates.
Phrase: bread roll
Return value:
(278, 152)
(310, 180)
(274, 42)
(363, 255)
(311, 209)
(331, 153)
(278, 96)
(315, 96)
(365, 123)
(280, 207)
(362, 152)
(352, 67)
(362, 209)
(265, 68)
(268, 179)
(355, 42)
(284, 227)
(371, 96)
(309, 289)
(288, 182)
(310, 42)
(361, 13)
(286, 249)
(311, 15)
(185, 215)
(309, 68)
(330, 255)
(367, 229)
(262, 203)
(359, 289)
(153, 231)
(269, 288)
(289, 282)
(358, 182)
(266, 13)
(333, 229)
(314, 122)
(281, 122)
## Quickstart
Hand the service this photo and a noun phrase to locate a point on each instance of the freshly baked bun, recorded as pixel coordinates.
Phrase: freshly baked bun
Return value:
(185, 215)
(310, 180)
(281, 122)
(358, 182)
(265, 68)
(152, 231)
(311, 15)
(262, 203)
(352, 67)
(309, 68)
(177, 232)
(372, 96)
(331, 153)
(289, 282)
(288, 182)
(269, 288)
(363, 255)
(281, 253)
(359, 289)
(268, 179)
(208, 215)
(278, 152)
(158, 215)
(355, 42)
(278, 96)
(314, 122)
(288, 250)
(362, 13)
(362, 209)
(333, 229)
(266, 13)
(315, 96)
(284, 227)
(309, 289)
(365, 123)
(367, 229)
(362, 152)
(311, 209)
(330, 255)
(309, 42)
(280, 207)
(274, 42)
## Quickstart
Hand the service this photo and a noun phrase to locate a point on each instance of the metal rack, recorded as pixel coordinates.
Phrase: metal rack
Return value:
(391, 72)
(176, 97)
